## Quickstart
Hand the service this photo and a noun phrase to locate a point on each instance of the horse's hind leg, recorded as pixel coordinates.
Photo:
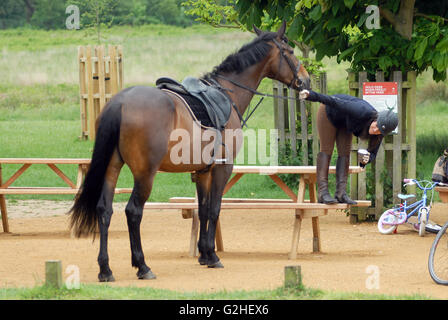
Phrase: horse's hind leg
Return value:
(134, 213)
(105, 210)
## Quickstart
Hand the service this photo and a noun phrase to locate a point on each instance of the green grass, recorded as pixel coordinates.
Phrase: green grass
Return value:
(107, 292)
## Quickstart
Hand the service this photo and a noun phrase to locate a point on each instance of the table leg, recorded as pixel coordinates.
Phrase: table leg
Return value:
(316, 234)
(3, 207)
(296, 234)
(194, 252)
(218, 237)
(315, 220)
(4, 213)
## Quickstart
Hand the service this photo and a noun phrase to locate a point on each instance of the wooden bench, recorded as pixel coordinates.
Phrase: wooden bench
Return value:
(72, 186)
(302, 208)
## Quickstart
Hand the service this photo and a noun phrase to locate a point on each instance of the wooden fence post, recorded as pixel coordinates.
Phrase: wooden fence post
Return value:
(290, 113)
(53, 273)
(100, 77)
(389, 159)
(293, 277)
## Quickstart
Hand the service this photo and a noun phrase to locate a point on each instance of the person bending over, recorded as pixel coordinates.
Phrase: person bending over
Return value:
(340, 117)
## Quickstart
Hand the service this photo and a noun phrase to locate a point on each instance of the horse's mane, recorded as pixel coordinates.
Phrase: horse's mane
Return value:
(248, 55)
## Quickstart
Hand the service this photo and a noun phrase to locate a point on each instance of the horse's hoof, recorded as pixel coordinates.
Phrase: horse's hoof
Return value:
(217, 264)
(146, 276)
(202, 261)
(106, 278)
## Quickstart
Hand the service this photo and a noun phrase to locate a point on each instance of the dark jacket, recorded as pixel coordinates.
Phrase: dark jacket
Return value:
(352, 113)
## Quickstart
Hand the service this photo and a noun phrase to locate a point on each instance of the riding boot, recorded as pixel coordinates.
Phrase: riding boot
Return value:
(323, 163)
(342, 166)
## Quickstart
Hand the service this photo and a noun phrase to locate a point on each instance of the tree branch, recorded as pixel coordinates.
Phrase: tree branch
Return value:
(432, 18)
(388, 15)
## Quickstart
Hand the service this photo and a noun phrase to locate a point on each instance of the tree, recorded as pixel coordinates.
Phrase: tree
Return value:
(96, 13)
(413, 34)
(46, 14)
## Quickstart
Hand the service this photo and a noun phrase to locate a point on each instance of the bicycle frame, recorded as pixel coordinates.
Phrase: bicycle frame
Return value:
(411, 209)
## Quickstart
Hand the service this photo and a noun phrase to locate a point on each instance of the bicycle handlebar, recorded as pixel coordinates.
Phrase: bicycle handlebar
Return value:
(433, 184)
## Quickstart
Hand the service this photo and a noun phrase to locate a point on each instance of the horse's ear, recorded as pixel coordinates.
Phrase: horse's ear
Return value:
(257, 31)
(282, 29)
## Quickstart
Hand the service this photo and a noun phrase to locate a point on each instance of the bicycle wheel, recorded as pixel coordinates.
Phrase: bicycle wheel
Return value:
(423, 220)
(438, 257)
(387, 223)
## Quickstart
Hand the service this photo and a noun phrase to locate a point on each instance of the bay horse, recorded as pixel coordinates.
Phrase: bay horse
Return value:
(134, 128)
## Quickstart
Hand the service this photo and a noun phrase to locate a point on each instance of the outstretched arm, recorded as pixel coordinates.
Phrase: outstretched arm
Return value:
(350, 105)
(313, 96)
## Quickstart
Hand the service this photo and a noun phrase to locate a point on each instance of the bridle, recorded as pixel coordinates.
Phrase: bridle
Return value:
(295, 81)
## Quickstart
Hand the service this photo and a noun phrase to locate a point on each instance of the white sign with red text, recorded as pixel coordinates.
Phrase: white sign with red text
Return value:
(382, 96)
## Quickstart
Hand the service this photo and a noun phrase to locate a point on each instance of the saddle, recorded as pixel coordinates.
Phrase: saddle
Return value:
(214, 101)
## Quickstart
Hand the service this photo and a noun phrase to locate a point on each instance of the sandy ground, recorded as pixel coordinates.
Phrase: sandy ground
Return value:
(354, 258)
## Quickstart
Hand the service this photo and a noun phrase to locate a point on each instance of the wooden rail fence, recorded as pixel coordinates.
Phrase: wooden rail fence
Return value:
(296, 122)
(100, 77)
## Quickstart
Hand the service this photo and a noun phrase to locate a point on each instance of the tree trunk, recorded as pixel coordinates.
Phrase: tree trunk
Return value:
(29, 5)
(403, 21)
(405, 18)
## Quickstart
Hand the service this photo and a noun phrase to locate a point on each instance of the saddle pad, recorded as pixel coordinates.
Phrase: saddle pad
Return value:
(217, 104)
(196, 107)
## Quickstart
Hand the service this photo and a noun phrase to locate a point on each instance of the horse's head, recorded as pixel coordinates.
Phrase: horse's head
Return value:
(283, 65)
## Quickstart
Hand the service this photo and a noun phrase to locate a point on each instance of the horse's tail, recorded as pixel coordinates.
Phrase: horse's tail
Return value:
(84, 216)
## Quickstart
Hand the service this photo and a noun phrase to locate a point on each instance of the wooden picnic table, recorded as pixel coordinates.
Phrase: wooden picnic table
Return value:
(296, 200)
(53, 163)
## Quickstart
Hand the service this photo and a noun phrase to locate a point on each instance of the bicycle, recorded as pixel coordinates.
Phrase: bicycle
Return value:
(400, 214)
(438, 257)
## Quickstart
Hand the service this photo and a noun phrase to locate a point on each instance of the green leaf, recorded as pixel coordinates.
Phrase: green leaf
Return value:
(316, 13)
(437, 61)
(409, 53)
(335, 8)
(346, 53)
(420, 49)
(375, 44)
(349, 3)
(384, 63)
(363, 19)
(295, 29)
(243, 6)
(442, 45)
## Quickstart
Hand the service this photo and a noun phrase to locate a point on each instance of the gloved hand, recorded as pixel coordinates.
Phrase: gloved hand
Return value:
(304, 94)
(364, 158)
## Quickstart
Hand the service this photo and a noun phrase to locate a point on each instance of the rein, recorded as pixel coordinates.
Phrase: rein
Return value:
(295, 80)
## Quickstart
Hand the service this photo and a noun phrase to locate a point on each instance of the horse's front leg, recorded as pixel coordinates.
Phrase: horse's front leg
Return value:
(203, 194)
(219, 177)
